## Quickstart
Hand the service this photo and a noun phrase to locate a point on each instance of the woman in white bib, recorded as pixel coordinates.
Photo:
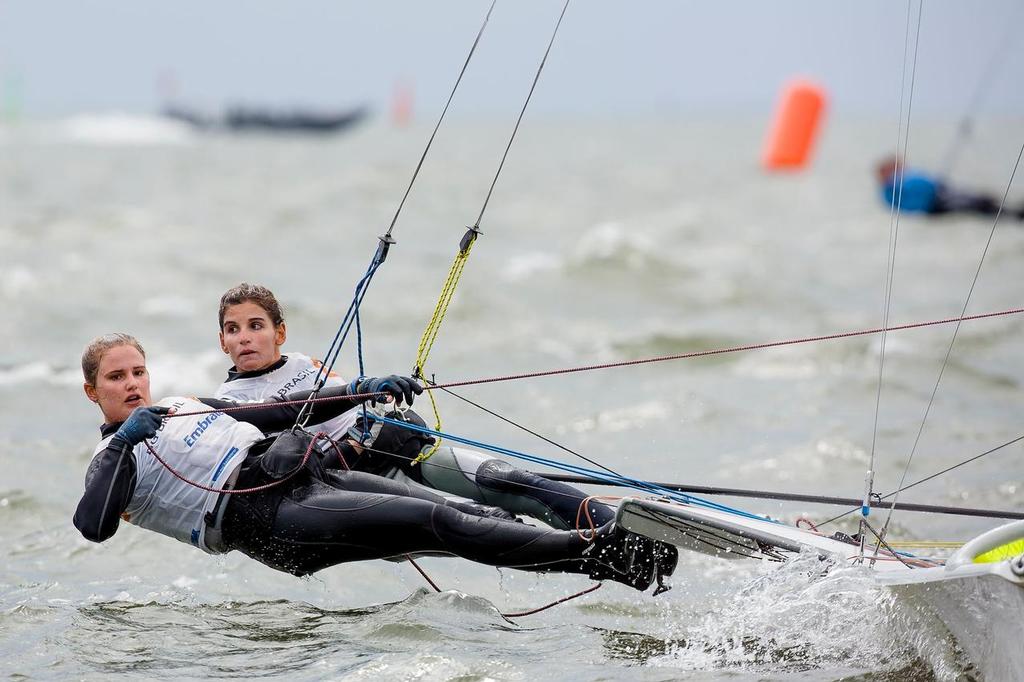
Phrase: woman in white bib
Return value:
(252, 333)
(303, 518)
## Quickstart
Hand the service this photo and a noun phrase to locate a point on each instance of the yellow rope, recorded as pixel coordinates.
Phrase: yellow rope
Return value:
(434, 326)
(927, 544)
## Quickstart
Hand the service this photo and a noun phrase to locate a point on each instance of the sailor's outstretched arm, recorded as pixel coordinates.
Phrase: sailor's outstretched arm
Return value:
(277, 415)
(109, 485)
(110, 480)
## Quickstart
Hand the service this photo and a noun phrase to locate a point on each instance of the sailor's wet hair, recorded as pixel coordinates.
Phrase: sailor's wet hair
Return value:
(888, 167)
(261, 296)
(93, 353)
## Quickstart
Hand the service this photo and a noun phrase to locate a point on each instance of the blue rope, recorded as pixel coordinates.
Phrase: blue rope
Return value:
(616, 479)
(351, 315)
(346, 326)
(362, 373)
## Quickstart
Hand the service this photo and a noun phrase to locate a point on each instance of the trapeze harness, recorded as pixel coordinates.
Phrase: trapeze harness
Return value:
(390, 452)
(314, 519)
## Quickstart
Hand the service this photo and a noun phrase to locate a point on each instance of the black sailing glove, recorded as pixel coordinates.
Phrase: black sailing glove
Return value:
(391, 438)
(142, 423)
(395, 386)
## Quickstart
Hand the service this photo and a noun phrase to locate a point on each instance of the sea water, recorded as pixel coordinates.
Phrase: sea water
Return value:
(605, 240)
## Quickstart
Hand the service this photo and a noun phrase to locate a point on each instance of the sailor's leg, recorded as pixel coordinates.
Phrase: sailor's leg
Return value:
(959, 201)
(311, 526)
(318, 525)
(496, 482)
(357, 481)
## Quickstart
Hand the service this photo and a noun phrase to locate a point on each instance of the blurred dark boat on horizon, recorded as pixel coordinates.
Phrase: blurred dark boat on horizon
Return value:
(255, 119)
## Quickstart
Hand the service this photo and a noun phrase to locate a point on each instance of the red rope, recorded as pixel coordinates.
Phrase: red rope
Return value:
(810, 524)
(720, 351)
(423, 573)
(520, 614)
(626, 363)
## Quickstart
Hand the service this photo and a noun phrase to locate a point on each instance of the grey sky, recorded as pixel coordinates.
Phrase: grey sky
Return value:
(610, 57)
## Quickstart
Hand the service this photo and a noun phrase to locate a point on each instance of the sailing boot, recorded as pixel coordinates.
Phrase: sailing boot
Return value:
(631, 559)
(665, 559)
(482, 478)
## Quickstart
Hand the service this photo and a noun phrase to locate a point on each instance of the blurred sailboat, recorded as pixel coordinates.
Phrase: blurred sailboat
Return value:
(261, 119)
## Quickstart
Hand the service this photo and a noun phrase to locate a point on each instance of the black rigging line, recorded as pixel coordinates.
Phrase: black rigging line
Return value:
(956, 329)
(877, 502)
(894, 227)
(936, 474)
(532, 433)
(441, 118)
(965, 127)
(385, 242)
(799, 497)
(522, 111)
(472, 232)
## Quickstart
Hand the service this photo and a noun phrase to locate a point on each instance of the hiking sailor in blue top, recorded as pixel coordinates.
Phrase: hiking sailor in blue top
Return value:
(928, 194)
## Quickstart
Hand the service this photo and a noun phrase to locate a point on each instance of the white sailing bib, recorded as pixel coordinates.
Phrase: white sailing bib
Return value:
(298, 373)
(204, 448)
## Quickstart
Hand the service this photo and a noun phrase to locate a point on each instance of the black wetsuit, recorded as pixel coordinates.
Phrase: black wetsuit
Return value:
(449, 471)
(319, 518)
(948, 200)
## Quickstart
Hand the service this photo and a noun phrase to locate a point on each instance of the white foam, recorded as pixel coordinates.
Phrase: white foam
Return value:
(169, 306)
(792, 616)
(622, 419)
(781, 363)
(128, 129)
(612, 243)
(39, 372)
(17, 280)
(173, 374)
(524, 266)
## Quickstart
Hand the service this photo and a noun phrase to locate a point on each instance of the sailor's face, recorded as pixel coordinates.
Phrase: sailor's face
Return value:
(250, 337)
(122, 383)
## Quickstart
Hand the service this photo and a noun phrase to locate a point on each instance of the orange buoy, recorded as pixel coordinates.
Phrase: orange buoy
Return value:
(797, 121)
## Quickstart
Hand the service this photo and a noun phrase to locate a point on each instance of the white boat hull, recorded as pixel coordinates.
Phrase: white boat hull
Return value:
(981, 605)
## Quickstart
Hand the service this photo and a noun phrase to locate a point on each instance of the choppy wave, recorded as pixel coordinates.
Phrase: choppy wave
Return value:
(670, 341)
(172, 635)
(169, 305)
(170, 373)
(524, 266)
(614, 246)
(607, 248)
(188, 374)
(633, 417)
(39, 372)
(17, 280)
